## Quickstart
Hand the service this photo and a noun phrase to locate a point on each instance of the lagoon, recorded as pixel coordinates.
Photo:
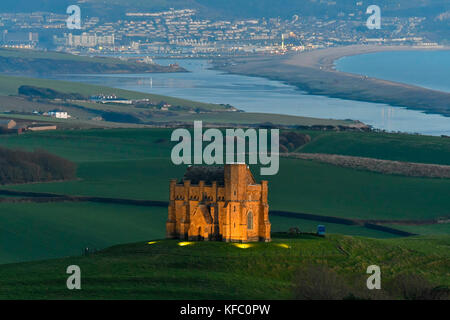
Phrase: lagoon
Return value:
(254, 94)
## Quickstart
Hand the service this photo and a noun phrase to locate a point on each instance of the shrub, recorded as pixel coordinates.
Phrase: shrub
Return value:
(416, 287)
(291, 140)
(38, 166)
(47, 93)
(318, 282)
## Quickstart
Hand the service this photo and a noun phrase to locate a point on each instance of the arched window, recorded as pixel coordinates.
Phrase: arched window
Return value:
(250, 221)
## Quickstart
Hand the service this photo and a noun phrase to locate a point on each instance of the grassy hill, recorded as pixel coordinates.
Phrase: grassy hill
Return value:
(135, 164)
(166, 270)
(31, 231)
(72, 226)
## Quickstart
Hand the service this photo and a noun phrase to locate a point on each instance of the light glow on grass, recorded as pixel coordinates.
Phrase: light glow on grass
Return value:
(242, 245)
(283, 245)
(152, 242)
(183, 244)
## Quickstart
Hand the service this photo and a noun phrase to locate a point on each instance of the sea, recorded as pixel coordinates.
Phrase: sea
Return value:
(428, 69)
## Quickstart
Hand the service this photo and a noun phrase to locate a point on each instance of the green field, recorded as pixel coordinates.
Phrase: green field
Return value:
(165, 270)
(132, 164)
(68, 124)
(312, 187)
(283, 224)
(135, 164)
(387, 146)
(32, 231)
(427, 229)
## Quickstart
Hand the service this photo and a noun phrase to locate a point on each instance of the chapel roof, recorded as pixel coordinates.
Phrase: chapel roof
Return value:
(209, 174)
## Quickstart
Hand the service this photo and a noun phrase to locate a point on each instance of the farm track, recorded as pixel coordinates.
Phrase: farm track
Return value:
(40, 197)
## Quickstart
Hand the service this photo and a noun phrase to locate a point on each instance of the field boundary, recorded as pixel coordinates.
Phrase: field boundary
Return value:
(344, 221)
(409, 169)
(41, 197)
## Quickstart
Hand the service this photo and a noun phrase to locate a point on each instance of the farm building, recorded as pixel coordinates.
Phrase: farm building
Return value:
(59, 114)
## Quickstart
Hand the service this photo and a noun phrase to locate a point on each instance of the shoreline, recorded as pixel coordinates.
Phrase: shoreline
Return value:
(325, 59)
(313, 72)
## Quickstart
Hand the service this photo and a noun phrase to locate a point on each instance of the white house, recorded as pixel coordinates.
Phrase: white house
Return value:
(59, 114)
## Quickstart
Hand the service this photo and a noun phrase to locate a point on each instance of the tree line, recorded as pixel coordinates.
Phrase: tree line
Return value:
(17, 166)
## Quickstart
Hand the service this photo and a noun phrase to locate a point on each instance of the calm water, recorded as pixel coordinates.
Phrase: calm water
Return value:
(429, 69)
(262, 95)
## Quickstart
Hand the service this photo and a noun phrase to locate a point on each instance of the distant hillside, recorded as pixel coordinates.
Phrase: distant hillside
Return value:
(14, 61)
(46, 93)
(233, 8)
(38, 166)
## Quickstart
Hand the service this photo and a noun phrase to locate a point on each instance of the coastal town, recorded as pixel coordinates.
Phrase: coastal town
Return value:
(185, 33)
